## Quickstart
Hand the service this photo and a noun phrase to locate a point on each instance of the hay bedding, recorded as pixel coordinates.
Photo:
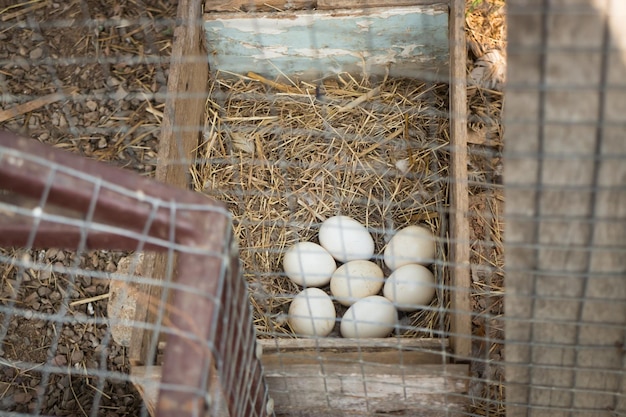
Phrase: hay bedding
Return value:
(286, 157)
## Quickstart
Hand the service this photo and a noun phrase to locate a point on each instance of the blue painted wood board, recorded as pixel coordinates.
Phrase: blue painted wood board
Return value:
(410, 41)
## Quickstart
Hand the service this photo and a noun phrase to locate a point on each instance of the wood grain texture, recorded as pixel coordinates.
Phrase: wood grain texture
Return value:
(309, 45)
(365, 389)
(349, 4)
(180, 130)
(331, 351)
(565, 209)
(287, 5)
(351, 388)
(460, 323)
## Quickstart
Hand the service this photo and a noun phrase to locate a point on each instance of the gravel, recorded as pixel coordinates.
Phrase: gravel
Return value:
(110, 59)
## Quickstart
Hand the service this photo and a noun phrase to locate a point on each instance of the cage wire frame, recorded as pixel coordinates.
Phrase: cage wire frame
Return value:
(208, 324)
(565, 221)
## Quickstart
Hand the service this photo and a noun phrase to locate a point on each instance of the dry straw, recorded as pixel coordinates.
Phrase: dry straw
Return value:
(286, 156)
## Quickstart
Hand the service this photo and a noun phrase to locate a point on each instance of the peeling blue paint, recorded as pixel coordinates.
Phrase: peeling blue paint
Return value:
(412, 41)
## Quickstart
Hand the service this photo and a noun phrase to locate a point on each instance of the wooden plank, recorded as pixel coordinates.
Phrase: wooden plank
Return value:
(364, 389)
(329, 351)
(180, 131)
(460, 323)
(354, 389)
(310, 45)
(290, 5)
(566, 209)
(352, 4)
(257, 5)
(35, 104)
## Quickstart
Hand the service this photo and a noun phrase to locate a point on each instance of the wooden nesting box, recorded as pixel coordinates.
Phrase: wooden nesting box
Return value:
(312, 39)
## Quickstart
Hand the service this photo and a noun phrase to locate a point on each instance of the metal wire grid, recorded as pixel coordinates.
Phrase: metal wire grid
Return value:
(566, 238)
(210, 336)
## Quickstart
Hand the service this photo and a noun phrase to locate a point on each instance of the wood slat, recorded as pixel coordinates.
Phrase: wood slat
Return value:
(330, 351)
(307, 390)
(288, 5)
(365, 389)
(180, 130)
(460, 323)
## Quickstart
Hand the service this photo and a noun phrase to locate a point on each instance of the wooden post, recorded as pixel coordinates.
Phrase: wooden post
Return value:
(461, 324)
(180, 132)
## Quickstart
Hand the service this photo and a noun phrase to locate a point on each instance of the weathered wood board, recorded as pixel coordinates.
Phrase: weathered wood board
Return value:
(460, 320)
(403, 41)
(180, 132)
(307, 377)
(287, 5)
(565, 170)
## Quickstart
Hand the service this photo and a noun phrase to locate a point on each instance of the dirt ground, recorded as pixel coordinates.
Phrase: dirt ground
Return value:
(110, 59)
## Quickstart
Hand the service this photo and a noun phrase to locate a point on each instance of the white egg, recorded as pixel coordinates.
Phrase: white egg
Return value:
(411, 245)
(312, 313)
(373, 316)
(410, 287)
(346, 239)
(308, 264)
(355, 280)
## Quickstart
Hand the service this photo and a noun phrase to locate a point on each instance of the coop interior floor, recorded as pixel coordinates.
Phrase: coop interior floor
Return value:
(117, 75)
(285, 162)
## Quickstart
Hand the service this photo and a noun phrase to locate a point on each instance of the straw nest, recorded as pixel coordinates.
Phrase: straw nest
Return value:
(284, 157)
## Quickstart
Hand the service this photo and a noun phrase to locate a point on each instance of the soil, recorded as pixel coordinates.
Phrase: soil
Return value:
(110, 60)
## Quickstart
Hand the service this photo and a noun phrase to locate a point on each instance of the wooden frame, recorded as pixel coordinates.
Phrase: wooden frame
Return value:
(306, 357)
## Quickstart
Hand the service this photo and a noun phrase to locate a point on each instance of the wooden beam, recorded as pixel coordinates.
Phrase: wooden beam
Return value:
(35, 104)
(308, 377)
(350, 4)
(180, 132)
(361, 389)
(290, 5)
(461, 325)
(330, 351)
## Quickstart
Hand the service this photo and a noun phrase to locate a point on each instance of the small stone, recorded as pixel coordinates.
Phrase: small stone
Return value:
(91, 105)
(21, 62)
(77, 356)
(113, 82)
(59, 360)
(120, 94)
(33, 122)
(22, 397)
(36, 53)
(91, 116)
(43, 291)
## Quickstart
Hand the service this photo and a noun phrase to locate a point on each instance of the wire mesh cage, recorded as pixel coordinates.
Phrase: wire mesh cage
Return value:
(220, 277)
(566, 241)
(72, 203)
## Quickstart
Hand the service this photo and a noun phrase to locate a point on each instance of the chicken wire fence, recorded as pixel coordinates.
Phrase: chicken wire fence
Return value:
(125, 296)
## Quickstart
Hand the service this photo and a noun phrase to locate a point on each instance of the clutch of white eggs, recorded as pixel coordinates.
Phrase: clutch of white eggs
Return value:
(356, 283)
